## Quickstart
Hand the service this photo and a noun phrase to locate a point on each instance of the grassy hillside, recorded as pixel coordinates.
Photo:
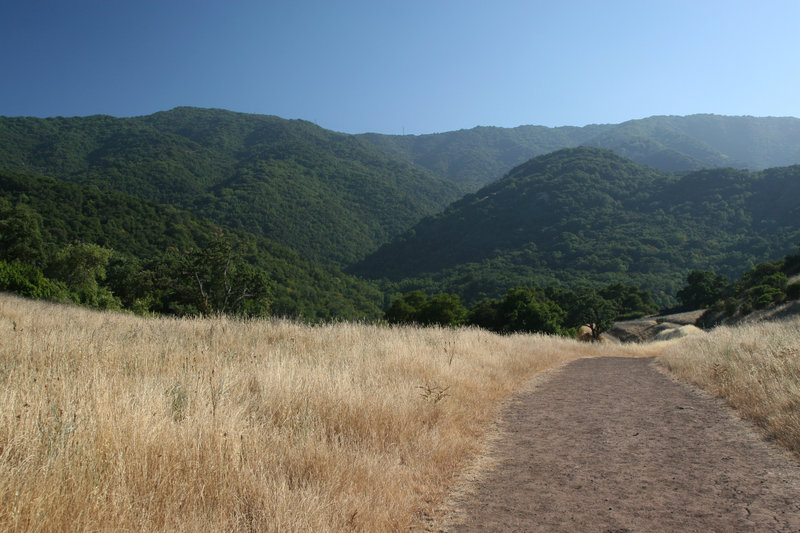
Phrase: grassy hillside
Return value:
(330, 196)
(116, 422)
(587, 215)
(753, 367)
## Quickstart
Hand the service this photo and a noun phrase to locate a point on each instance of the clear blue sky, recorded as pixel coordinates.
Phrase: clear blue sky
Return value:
(392, 66)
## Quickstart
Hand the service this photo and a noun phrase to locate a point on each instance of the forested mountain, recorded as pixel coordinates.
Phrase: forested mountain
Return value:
(480, 155)
(330, 196)
(147, 247)
(588, 215)
(296, 196)
(335, 197)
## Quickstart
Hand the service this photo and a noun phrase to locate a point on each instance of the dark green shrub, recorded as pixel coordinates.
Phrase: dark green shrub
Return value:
(731, 306)
(703, 288)
(793, 291)
(763, 296)
(444, 310)
(27, 280)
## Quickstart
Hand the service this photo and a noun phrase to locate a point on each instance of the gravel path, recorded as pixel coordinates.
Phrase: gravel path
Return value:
(613, 445)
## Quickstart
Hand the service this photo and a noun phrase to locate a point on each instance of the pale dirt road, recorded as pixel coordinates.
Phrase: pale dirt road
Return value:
(614, 445)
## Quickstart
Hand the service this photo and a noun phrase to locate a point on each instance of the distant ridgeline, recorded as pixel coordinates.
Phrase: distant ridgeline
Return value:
(677, 144)
(200, 211)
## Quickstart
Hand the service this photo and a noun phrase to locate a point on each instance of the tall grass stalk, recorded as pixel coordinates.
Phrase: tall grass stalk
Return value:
(116, 422)
(755, 368)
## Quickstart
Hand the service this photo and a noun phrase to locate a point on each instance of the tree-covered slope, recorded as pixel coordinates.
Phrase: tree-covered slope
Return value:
(703, 141)
(755, 143)
(480, 155)
(588, 215)
(333, 197)
(142, 233)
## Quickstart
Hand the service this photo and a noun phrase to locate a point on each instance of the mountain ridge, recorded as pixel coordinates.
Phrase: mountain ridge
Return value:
(333, 197)
(668, 142)
(342, 200)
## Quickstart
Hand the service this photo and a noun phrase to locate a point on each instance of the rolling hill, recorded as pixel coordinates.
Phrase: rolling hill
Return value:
(377, 205)
(330, 196)
(588, 215)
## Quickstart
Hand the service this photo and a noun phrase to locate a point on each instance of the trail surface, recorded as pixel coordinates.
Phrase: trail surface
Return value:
(614, 445)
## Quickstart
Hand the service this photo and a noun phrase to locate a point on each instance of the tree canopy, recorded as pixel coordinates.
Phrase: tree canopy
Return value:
(69, 242)
(523, 309)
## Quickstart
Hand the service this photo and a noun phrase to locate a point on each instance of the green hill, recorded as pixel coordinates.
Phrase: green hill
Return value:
(480, 155)
(587, 215)
(334, 197)
(301, 196)
(330, 196)
(142, 234)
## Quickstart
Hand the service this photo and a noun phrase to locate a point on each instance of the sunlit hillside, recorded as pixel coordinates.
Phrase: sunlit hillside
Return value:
(116, 422)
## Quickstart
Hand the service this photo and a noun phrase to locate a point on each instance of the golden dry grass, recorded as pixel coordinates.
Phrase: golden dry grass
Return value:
(116, 422)
(755, 368)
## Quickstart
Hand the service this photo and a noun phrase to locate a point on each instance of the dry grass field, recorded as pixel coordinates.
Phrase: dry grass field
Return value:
(116, 422)
(754, 367)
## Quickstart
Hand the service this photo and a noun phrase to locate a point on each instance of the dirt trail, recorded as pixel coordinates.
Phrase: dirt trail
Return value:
(613, 445)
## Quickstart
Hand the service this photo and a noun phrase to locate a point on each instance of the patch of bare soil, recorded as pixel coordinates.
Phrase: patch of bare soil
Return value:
(613, 445)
